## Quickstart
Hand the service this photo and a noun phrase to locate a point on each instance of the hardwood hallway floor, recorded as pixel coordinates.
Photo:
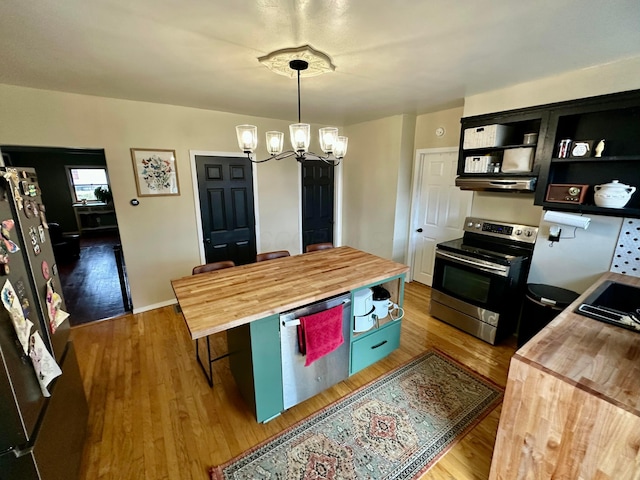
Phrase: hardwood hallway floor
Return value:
(153, 415)
(90, 284)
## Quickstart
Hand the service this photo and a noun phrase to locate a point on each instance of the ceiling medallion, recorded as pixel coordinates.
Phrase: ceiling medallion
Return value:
(292, 62)
(280, 60)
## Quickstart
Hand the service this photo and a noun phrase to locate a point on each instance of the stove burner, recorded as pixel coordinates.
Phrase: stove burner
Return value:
(499, 242)
(493, 253)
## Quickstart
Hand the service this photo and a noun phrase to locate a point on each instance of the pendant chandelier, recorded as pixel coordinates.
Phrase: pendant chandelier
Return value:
(333, 145)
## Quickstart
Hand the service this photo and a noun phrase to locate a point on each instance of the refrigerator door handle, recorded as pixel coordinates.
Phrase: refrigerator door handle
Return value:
(21, 452)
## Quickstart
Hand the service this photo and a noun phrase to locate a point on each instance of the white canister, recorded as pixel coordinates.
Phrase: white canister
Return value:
(613, 194)
(363, 323)
(362, 302)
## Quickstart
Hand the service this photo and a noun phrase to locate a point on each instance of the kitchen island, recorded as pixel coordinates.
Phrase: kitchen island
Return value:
(246, 301)
(572, 403)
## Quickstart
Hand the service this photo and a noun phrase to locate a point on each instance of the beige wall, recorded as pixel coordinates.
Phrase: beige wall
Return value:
(159, 237)
(426, 129)
(403, 190)
(375, 183)
(587, 82)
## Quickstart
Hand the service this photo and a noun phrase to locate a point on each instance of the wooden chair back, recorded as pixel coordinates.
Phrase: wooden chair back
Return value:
(261, 257)
(318, 246)
(210, 267)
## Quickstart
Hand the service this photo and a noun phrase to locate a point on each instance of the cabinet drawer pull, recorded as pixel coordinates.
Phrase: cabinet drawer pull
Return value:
(379, 345)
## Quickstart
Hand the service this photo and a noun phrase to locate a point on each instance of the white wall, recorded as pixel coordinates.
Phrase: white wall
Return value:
(159, 237)
(572, 264)
(575, 263)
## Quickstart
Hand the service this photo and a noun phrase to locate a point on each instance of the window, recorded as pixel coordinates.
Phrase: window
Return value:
(84, 181)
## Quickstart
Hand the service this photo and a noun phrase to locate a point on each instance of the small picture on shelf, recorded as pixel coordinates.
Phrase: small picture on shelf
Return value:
(580, 148)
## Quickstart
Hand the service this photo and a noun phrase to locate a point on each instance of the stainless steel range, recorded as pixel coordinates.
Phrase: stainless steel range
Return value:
(479, 280)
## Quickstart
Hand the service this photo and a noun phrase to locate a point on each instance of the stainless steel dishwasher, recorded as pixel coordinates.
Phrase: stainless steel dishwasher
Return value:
(299, 382)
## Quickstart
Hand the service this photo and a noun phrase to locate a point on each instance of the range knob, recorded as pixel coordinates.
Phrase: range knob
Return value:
(470, 224)
(518, 232)
(478, 225)
(528, 233)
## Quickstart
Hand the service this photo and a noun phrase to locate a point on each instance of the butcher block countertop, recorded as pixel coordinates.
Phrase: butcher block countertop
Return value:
(572, 404)
(216, 301)
(597, 357)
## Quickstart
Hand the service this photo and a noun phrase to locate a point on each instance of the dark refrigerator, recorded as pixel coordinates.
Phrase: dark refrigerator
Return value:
(43, 413)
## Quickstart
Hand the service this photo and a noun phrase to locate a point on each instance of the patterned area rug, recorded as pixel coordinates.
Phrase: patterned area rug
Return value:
(396, 427)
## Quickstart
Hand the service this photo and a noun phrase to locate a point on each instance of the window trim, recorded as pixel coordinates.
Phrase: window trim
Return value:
(72, 189)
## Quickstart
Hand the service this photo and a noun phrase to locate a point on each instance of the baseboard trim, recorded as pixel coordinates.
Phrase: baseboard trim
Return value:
(146, 308)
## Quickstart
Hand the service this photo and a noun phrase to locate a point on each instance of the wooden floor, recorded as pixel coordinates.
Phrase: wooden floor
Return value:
(153, 416)
(90, 284)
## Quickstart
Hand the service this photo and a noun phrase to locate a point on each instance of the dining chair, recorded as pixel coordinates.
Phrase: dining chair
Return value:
(210, 267)
(318, 246)
(261, 257)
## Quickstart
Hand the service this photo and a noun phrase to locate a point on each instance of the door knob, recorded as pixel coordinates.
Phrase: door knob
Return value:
(419, 230)
(207, 241)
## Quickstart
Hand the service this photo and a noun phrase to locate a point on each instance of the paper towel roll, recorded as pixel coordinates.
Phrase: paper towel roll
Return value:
(570, 219)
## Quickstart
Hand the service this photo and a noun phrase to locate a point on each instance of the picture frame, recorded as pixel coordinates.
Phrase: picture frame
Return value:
(155, 172)
(581, 148)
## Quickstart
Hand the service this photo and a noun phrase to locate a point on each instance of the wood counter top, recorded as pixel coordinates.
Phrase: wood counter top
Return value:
(599, 358)
(216, 301)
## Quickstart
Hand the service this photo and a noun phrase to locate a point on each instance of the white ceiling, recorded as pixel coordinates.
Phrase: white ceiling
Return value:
(391, 56)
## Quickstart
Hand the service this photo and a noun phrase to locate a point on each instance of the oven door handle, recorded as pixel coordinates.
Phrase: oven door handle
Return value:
(501, 270)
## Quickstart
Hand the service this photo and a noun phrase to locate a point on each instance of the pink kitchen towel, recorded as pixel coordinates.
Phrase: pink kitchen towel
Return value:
(321, 333)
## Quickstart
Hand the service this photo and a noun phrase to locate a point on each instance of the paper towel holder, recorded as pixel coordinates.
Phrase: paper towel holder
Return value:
(569, 219)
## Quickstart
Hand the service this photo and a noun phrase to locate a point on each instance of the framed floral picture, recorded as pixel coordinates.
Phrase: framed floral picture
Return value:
(155, 172)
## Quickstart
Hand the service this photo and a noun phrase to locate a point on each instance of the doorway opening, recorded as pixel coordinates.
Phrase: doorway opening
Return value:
(317, 202)
(83, 228)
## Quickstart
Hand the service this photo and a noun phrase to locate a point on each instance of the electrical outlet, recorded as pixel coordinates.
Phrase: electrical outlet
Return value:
(554, 233)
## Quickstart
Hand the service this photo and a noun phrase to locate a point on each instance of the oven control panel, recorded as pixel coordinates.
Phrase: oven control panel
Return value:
(511, 231)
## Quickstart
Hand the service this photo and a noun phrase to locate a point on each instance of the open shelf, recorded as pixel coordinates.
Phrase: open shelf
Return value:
(615, 158)
(614, 119)
(502, 147)
(593, 209)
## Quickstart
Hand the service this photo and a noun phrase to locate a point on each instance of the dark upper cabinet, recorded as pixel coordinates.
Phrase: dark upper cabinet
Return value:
(499, 150)
(614, 118)
(518, 124)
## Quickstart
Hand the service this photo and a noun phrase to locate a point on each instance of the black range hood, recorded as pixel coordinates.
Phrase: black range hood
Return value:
(497, 183)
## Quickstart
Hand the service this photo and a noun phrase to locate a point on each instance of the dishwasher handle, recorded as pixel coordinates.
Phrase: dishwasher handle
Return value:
(291, 323)
(291, 320)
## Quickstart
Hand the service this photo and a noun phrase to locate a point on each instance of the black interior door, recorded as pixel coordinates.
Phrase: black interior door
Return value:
(225, 187)
(317, 202)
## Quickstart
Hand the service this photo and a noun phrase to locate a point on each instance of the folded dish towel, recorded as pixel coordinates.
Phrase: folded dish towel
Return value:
(320, 334)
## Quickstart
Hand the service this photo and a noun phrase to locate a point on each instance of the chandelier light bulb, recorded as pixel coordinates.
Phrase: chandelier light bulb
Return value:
(247, 137)
(275, 142)
(340, 149)
(328, 137)
(300, 136)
